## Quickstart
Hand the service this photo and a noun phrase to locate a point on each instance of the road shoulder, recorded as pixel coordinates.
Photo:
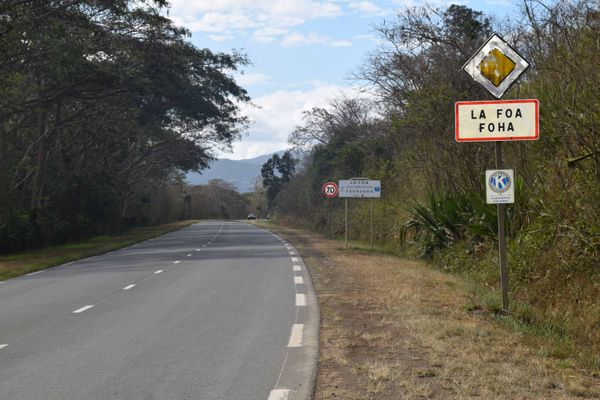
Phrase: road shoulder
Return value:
(394, 328)
(298, 373)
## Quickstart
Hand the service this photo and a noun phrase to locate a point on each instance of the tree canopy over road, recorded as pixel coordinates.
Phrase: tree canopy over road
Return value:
(102, 104)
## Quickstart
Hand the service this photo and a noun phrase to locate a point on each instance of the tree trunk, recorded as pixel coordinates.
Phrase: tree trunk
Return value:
(40, 169)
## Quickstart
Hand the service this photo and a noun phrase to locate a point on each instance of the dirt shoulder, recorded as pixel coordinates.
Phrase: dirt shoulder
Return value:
(397, 329)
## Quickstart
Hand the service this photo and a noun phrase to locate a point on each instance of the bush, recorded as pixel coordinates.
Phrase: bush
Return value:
(17, 232)
(449, 218)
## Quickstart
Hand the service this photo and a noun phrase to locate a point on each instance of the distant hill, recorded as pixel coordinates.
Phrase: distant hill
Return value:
(241, 173)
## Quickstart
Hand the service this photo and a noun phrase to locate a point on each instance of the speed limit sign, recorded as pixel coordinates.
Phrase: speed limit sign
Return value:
(330, 189)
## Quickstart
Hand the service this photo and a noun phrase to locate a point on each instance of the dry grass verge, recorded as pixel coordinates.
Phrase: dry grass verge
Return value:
(23, 263)
(396, 329)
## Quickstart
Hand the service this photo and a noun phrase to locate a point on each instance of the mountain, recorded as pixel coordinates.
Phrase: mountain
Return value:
(242, 173)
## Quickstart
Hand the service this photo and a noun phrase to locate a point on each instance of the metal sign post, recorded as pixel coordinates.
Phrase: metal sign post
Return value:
(496, 66)
(502, 238)
(330, 191)
(346, 222)
(371, 223)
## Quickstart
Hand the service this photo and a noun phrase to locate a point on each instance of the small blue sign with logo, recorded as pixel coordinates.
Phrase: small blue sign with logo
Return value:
(499, 186)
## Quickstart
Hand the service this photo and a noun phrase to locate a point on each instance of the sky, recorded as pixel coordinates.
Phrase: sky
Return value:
(303, 53)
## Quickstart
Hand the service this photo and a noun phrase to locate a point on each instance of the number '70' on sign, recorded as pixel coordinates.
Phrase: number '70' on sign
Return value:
(330, 189)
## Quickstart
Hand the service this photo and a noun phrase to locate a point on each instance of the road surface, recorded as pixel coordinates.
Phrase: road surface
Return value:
(218, 310)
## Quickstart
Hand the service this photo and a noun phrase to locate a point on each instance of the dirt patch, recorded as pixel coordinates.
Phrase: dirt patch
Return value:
(396, 329)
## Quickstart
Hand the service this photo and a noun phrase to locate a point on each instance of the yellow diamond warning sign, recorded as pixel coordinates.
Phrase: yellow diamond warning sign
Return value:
(496, 66)
(481, 121)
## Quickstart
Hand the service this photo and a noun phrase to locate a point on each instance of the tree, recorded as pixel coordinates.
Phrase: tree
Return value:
(217, 199)
(257, 198)
(277, 172)
(101, 102)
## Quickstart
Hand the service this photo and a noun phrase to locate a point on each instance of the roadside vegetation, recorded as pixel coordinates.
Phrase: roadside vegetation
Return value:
(105, 104)
(31, 261)
(393, 328)
(433, 204)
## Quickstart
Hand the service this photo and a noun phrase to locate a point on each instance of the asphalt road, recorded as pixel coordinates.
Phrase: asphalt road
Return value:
(218, 310)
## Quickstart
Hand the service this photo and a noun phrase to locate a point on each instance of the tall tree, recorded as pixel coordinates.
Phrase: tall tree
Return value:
(101, 101)
(277, 172)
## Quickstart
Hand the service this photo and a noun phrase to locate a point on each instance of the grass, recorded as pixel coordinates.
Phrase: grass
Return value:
(393, 328)
(24, 263)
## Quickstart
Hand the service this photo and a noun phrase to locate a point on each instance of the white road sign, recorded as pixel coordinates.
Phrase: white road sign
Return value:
(480, 121)
(500, 186)
(360, 188)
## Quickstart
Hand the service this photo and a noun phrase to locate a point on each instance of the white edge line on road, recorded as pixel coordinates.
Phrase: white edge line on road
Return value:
(300, 300)
(279, 394)
(189, 255)
(197, 249)
(158, 272)
(296, 335)
(298, 280)
(295, 259)
(82, 309)
(177, 262)
(292, 253)
(34, 273)
(129, 286)
(3, 346)
(297, 268)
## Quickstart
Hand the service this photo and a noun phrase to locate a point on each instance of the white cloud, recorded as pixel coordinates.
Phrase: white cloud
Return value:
(502, 3)
(264, 20)
(251, 78)
(277, 115)
(368, 8)
(298, 39)
(251, 149)
(220, 38)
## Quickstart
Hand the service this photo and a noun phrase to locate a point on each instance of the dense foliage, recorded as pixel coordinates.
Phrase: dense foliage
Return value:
(276, 173)
(103, 104)
(218, 199)
(433, 191)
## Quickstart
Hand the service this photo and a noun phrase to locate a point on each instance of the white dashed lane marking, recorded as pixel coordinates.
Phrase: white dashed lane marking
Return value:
(295, 259)
(129, 287)
(189, 255)
(177, 262)
(279, 394)
(300, 300)
(297, 268)
(158, 272)
(298, 280)
(3, 346)
(34, 273)
(296, 335)
(82, 309)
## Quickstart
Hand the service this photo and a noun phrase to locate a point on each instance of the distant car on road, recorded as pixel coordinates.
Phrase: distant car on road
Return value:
(251, 216)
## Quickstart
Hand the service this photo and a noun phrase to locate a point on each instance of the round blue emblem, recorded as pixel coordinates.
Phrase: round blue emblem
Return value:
(499, 182)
